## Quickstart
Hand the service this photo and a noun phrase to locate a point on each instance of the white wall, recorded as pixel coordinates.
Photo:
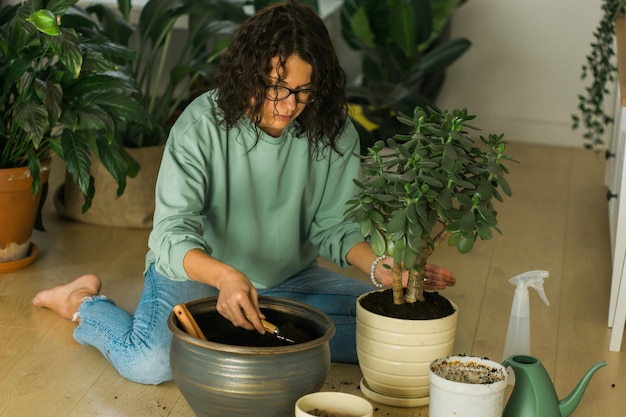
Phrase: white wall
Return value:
(521, 77)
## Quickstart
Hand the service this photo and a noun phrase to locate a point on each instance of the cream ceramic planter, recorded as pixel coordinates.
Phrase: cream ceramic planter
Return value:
(334, 404)
(395, 355)
(466, 386)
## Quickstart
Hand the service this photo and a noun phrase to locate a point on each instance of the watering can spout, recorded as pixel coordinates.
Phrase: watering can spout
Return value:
(568, 404)
(534, 393)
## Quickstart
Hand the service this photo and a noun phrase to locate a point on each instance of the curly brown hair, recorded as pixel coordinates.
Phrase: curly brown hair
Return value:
(282, 30)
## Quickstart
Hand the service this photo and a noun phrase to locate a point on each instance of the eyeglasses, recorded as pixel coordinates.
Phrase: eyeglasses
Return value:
(279, 93)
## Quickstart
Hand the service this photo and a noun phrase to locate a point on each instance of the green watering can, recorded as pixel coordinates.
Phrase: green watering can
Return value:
(534, 394)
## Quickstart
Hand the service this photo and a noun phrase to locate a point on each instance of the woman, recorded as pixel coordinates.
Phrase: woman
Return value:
(251, 190)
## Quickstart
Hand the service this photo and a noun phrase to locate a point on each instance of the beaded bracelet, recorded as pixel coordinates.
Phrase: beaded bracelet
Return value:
(376, 283)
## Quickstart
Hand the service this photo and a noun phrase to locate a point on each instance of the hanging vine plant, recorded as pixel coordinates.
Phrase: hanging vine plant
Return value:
(600, 67)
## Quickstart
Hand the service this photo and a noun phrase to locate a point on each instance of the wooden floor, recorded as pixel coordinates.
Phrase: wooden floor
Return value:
(556, 220)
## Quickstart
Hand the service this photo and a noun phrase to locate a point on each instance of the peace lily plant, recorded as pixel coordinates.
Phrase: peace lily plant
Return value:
(60, 95)
(422, 188)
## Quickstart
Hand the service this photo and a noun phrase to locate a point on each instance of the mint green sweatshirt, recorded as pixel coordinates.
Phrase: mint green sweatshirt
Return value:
(268, 211)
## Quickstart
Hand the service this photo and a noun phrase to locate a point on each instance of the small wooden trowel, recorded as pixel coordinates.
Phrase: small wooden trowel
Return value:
(273, 329)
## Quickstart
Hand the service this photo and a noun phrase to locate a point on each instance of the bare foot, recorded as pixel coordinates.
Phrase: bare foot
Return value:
(65, 299)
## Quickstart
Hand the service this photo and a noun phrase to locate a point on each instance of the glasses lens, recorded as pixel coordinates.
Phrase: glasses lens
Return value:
(304, 96)
(278, 93)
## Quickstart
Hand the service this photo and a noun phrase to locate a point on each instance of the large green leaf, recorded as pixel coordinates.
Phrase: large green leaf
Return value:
(45, 22)
(69, 52)
(402, 29)
(423, 22)
(78, 161)
(443, 55)
(361, 29)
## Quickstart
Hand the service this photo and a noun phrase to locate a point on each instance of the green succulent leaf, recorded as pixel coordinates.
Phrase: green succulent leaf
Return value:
(366, 228)
(463, 199)
(465, 243)
(378, 242)
(397, 225)
(399, 247)
(409, 258)
(445, 198)
(376, 217)
(484, 231)
(432, 181)
(486, 215)
(485, 190)
(506, 188)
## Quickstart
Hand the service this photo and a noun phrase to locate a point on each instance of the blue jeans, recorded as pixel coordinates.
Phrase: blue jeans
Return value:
(138, 345)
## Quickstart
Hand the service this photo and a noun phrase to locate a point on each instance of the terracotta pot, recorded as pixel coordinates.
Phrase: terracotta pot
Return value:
(395, 355)
(18, 210)
(466, 386)
(220, 380)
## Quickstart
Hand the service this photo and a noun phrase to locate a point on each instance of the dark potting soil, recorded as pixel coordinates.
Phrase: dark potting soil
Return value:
(324, 413)
(219, 330)
(434, 307)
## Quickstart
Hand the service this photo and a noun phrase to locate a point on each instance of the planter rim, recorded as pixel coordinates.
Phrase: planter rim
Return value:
(456, 309)
(337, 402)
(264, 302)
(465, 387)
(23, 172)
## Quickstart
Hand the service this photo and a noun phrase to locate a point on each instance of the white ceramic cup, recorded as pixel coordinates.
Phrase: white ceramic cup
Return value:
(347, 405)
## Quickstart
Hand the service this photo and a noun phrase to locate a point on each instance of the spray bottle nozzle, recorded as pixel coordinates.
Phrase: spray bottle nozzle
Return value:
(533, 279)
(518, 333)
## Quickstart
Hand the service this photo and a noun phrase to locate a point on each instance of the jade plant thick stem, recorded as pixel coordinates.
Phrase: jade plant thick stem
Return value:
(432, 185)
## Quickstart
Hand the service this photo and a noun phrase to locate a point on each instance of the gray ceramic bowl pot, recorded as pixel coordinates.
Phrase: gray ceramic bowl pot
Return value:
(241, 373)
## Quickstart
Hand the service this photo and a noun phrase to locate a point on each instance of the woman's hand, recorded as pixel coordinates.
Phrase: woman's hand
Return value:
(435, 276)
(238, 301)
(438, 278)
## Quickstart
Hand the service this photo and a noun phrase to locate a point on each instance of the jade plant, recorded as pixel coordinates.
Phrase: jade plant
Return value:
(428, 186)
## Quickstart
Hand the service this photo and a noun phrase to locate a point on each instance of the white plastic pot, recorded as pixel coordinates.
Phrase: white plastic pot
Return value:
(465, 399)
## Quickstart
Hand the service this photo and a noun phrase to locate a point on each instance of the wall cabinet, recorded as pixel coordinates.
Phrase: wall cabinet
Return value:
(616, 196)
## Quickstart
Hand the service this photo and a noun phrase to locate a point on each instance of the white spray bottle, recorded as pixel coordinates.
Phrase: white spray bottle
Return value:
(518, 334)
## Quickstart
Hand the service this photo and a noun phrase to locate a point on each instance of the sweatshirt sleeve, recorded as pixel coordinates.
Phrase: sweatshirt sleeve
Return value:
(331, 233)
(180, 194)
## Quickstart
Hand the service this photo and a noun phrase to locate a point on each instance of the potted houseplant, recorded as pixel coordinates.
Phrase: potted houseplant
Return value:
(172, 65)
(59, 95)
(405, 48)
(419, 189)
(600, 67)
